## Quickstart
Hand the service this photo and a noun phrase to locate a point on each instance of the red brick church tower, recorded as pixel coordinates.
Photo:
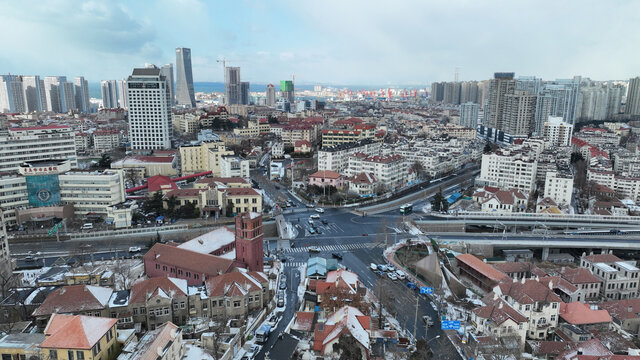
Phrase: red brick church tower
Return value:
(249, 244)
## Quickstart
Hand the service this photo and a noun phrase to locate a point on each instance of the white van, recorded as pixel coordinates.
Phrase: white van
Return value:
(87, 226)
(401, 275)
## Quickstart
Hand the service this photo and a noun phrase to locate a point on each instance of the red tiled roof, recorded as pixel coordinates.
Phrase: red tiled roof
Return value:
(241, 192)
(223, 180)
(233, 284)
(50, 127)
(196, 262)
(140, 292)
(75, 331)
(578, 276)
(155, 183)
(74, 298)
(363, 178)
(622, 309)
(605, 258)
(304, 321)
(530, 292)
(578, 313)
(326, 174)
(482, 267)
(178, 193)
(499, 313)
(299, 143)
(154, 159)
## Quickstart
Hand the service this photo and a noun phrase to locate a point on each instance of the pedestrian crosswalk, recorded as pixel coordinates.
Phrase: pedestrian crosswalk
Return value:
(341, 247)
(294, 264)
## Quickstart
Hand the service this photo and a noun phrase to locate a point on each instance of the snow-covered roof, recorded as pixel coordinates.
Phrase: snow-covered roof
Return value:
(210, 242)
(100, 293)
(181, 284)
(347, 317)
(626, 266)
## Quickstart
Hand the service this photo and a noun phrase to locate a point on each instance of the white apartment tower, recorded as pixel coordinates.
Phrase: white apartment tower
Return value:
(271, 95)
(109, 94)
(11, 94)
(559, 187)
(82, 94)
(469, 114)
(55, 93)
(122, 94)
(150, 118)
(509, 169)
(34, 94)
(556, 132)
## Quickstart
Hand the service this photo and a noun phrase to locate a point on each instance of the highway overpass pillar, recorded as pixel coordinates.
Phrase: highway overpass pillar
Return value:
(545, 253)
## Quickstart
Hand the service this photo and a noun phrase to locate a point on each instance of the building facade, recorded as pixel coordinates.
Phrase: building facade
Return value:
(184, 79)
(150, 117)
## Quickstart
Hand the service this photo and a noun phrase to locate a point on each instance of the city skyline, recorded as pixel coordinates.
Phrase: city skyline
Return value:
(416, 43)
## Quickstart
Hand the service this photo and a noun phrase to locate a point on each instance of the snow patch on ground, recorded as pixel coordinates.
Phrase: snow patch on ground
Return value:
(193, 352)
(413, 230)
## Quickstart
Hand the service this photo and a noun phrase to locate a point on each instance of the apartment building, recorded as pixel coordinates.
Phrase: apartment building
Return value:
(556, 132)
(236, 294)
(83, 142)
(292, 133)
(254, 129)
(106, 140)
(508, 169)
(619, 279)
(91, 192)
(340, 136)
(74, 299)
(203, 156)
(234, 166)
(624, 185)
(13, 194)
(391, 170)
(588, 285)
(186, 123)
(19, 145)
(336, 158)
(559, 187)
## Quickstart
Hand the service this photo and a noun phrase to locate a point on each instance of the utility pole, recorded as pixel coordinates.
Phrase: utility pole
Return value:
(415, 320)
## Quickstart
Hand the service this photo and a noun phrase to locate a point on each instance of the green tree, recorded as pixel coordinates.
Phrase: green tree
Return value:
(172, 203)
(229, 209)
(487, 148)
(154, 204)
(439, 202)
(418, 168)
(576, 156)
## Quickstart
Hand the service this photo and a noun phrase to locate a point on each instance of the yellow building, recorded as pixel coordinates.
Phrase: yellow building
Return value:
(79, 337)
(205, 156)
(20, 346)
(253, 129)
(243, 200)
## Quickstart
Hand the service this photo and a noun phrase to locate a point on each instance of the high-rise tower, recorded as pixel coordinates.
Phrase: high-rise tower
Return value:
(271, 95)
(82, 94)
(249, 243)
(150, 118)
(232, 87)
(287, 90)
(184, 78)
(501, 85)
(109, 94)
(167, 71)
(633, 97)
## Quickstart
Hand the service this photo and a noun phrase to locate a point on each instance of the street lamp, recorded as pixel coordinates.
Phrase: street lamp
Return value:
(433, 338)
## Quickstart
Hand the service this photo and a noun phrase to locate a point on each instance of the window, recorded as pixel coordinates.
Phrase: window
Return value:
(236, 303)
(80, 355)
(135, 311)
(554, 305)
(182, 306)
(143, 310)
(53, 354)
(109, 335)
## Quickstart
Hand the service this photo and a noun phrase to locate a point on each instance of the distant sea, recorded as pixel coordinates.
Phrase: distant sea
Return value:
(209, 87)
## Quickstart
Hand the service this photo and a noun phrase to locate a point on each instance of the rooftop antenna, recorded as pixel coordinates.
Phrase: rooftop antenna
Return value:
(456, 74)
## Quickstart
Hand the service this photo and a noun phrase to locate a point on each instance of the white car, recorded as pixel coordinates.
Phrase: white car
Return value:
(314, 216)
(392, 276)
(373, 266)
(401, 275)
(135, 249)
(320, 210)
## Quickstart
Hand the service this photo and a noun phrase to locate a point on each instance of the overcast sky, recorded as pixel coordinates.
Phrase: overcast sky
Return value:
(346, 42)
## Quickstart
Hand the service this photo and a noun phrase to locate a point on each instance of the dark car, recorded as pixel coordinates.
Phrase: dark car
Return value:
(325, 222)
(337, 256)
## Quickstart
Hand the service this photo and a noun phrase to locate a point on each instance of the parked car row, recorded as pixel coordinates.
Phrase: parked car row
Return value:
(388, 270)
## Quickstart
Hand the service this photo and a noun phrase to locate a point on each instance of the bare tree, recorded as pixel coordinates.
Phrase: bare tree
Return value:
(8, 279)
(218, 329)
(123, 270)
(384, 297)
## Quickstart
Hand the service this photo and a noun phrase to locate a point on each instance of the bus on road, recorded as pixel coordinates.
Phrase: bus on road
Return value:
(406, 209)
